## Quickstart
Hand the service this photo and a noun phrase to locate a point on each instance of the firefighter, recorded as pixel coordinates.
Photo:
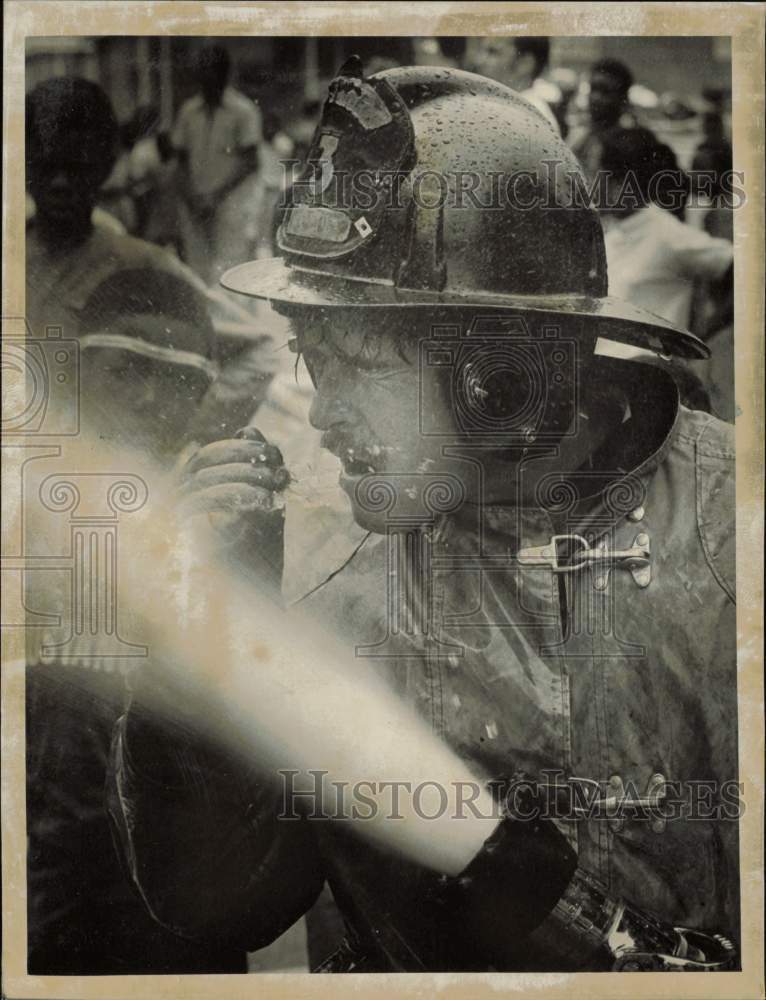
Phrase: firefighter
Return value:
(575, 525)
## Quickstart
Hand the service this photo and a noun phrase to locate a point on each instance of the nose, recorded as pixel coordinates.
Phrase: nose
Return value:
(333, 390)
(326, 410)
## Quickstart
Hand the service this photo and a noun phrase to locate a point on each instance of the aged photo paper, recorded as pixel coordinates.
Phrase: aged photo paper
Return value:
(382, 521)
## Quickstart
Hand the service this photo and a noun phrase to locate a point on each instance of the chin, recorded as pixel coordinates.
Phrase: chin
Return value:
(370, 516)
(380, 499)
(369, 521)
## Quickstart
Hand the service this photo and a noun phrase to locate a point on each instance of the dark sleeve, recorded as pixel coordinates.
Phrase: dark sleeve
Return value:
(201, 839)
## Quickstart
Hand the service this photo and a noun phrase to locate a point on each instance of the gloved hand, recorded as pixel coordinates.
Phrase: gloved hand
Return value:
(522, 903)
(236, 484)
(507, 891)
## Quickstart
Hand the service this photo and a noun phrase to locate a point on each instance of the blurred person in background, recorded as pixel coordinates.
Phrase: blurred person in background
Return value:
(143, 159)
(153, 168)
(426, 51)
(567, 82)
(519, 63)
(671, 188)
(115, 196)
(146, 350)
(654, 259)
(608, 106)
(81, 274)
(152, 179)
(715, 138)
(301, 128)
(142, 183)
(713, 157)
(216, 137)
(712, 313)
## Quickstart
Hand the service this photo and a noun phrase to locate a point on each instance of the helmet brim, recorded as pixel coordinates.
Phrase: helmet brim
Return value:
(612, 319)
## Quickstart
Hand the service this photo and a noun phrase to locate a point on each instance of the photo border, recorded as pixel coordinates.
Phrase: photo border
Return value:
(744, 23)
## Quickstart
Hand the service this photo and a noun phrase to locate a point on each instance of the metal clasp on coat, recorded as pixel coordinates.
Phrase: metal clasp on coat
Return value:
(600, 559)
(617, 806)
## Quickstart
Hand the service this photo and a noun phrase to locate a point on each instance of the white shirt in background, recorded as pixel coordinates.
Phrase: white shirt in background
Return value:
(653, 260)
(214, 138)
(542, 106)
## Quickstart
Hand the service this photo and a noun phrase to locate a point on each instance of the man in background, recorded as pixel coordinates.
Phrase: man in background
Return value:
(608, 106)
(653, 258)
(656, 261)
(519, 63)
(80, 274)
(216, 136)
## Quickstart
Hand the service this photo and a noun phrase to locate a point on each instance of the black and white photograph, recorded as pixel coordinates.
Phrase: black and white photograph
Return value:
(382, 453)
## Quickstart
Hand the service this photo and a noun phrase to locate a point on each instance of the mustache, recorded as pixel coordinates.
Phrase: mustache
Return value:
(355, 454)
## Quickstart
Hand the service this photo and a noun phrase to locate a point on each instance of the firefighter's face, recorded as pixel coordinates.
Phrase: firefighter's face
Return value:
(368, 406)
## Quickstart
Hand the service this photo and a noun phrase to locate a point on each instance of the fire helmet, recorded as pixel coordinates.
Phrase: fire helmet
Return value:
(428, 187)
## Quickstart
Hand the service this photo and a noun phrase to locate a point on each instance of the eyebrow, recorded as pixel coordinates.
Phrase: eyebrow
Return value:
(332, 346)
